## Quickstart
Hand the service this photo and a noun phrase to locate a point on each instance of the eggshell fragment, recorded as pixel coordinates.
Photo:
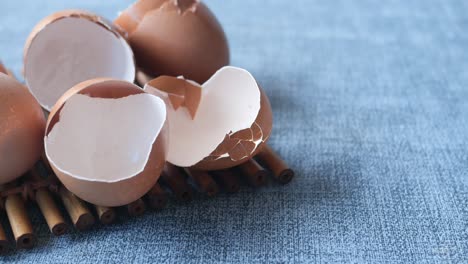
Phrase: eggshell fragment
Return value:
(227, 125)
(22, 126)
(106, 141)
(72, 46)
(175, 37)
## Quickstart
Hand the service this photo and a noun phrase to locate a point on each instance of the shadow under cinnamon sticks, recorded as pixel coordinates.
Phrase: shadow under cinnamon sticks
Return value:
(175, 180)
(4, 243)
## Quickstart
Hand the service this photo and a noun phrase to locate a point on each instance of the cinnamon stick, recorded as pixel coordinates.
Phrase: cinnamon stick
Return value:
(278, 166)
(204, 181)
(19, 221)
(156, 197)
(106, 215)
(48, 207)
(136, 208)
(228, 179)
(175, 180)
(4, 243)
(254, 173)
(79, 214)
(50, 212)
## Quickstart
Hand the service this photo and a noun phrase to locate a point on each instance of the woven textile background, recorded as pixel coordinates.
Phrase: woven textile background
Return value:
(370, 102)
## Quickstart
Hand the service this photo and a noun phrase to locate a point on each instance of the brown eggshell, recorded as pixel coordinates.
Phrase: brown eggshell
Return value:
(175, 38)
(73, 70)
(22, 126)
(238, 146)
(3, 69)
(119, 192)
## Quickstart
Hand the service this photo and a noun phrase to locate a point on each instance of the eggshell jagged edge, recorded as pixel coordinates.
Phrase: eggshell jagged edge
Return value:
(106, 24)
(135, 13)
(109, 192)
(141, 20)
(237, 146)
(75, 13)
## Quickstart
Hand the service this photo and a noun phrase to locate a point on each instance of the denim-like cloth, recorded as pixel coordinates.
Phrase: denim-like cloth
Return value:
(370, 102)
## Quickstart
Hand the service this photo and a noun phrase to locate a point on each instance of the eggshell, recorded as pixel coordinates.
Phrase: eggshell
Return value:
(171, 37)
(72, 46)
(224, 126)
(3, 69)
(106, 141)
(22, 126)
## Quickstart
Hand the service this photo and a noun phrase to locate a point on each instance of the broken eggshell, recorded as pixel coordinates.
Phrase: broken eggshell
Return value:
(70, 47)
(217, 125)
(22, 126)
(106, 141)
(6, 71)
(3, 69)
(175, 37)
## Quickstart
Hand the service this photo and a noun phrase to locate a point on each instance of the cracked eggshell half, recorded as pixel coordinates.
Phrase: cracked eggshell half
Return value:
(217, 125)
(22, 124)
(106, 141)
(175, 37)
(70, 47)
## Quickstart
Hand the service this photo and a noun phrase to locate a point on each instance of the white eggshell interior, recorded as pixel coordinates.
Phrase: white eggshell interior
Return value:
(230, 102)
(71, 50)
(105, 140)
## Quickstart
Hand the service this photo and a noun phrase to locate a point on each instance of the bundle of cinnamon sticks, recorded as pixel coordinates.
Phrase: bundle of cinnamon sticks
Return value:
(39, 187)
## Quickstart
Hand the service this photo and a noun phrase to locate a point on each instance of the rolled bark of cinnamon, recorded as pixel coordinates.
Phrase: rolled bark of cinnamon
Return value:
(253, 173)
(48, 207)
(4, 243)
(175, 180)
(204, 181)
(278, 166)
(136, 208)
(19, 221)
(79, 214)
(106, 215)
(50, 212)
(228, 179)
(156, 197)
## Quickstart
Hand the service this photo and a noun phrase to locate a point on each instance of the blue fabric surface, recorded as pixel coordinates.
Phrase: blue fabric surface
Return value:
(370, 101)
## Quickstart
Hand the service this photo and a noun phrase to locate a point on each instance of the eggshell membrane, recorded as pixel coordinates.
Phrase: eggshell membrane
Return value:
(175, 38)
(72, 46)
(22, 126)
(222, 134)
(108, 192)
(263, 122)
